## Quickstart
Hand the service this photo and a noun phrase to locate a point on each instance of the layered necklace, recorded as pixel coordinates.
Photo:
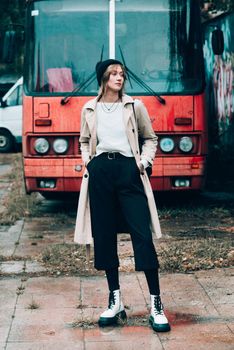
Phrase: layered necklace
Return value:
(110, 107)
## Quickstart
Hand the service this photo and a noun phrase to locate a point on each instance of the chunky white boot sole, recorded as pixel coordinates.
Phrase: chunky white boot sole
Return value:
(159, 327)
(108, 321)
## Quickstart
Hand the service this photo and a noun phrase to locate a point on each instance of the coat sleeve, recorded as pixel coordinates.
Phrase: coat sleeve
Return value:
(146, 132)
(84, 138)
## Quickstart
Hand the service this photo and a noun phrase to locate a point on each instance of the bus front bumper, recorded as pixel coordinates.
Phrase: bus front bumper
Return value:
(65, 175)
(57, 175)
(178, 173)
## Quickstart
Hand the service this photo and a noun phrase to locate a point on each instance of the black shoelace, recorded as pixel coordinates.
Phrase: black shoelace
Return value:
(111, 300)
(158, 305)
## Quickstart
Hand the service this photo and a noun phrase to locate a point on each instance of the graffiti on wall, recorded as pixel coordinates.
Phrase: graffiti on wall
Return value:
(223, 90)
(220, 79)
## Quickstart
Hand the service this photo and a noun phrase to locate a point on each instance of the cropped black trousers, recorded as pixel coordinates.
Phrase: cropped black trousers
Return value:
(115, 186)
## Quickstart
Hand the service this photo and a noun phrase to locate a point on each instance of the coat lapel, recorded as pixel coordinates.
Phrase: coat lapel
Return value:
(127, 110)
(130, 126)
(91, 114)
(91, 119)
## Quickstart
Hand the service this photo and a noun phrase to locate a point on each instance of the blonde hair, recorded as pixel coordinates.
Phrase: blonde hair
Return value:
(105, 78)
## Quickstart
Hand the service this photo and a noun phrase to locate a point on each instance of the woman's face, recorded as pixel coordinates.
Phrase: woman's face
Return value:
(116, 79)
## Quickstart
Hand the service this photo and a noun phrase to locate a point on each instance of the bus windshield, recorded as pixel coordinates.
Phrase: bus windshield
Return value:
(160, 41)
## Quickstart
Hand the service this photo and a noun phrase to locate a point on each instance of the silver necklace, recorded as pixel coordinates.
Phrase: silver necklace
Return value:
(111, 108)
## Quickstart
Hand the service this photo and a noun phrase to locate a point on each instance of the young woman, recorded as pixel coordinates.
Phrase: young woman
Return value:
(115, 179)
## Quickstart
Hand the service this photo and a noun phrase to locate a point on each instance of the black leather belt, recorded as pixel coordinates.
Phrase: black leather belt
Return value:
(112, 155)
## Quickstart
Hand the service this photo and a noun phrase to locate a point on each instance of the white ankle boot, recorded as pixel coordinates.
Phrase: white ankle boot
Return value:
(115, 310)
(158, 320)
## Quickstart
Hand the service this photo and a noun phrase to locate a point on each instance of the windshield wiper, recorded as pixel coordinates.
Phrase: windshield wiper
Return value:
(139, 81)
(86, 83)
(130, 75)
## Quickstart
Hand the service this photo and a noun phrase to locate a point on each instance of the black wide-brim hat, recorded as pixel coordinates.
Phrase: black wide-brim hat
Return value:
(102, 66)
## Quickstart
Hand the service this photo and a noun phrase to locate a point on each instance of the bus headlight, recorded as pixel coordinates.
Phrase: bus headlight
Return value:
(167, 144)
(41, 145)
(186, 144)
(60, 146)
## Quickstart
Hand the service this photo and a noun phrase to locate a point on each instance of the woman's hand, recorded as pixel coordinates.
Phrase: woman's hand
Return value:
(86, 161)
(141, 168)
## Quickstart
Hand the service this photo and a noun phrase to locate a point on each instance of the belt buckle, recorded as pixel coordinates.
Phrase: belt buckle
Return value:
(111, 155)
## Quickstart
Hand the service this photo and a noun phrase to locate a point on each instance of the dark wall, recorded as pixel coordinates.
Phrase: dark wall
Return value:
(220, 96)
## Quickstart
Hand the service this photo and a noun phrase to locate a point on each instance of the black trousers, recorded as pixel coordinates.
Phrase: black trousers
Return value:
(115, 184)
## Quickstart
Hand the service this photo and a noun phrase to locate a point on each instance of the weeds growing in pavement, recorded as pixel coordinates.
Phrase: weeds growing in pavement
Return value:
(183, 255)
(195, 254)
(66, 259)
(191, 211)
(33, 305)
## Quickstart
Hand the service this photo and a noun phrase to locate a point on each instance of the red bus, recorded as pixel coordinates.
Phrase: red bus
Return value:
(161, 44)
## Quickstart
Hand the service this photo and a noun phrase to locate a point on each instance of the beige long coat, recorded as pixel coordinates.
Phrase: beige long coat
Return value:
(88, 140)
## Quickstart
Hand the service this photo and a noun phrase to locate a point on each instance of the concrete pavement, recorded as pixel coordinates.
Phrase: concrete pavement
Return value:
(62, 312)
(41, 312)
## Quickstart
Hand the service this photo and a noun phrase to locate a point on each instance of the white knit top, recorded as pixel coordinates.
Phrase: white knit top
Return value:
(111, 134)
